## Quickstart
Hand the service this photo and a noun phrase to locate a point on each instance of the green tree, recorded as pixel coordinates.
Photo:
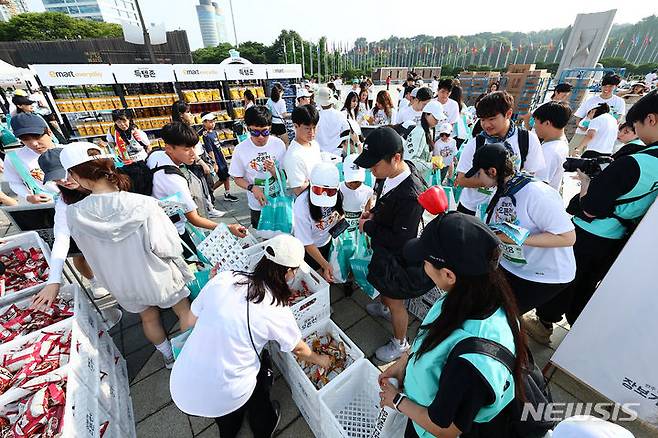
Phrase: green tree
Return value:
(253, 51)
(47, 26)
(212, 55)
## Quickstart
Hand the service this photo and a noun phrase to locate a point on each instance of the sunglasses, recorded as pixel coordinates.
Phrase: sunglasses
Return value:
(319, 190)
(259, 132)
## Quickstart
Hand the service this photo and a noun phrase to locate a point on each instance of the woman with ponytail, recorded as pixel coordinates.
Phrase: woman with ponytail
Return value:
(539, 264)
(467, 395)
(129, 242)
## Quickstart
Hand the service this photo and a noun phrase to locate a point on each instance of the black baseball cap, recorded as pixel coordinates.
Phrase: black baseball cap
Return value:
(21, 100)
(457, 241)
(379, 144)
(28, 123)
(51, 166)
(489, 155)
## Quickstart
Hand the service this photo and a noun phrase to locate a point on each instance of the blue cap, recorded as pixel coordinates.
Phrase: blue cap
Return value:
(28, 123)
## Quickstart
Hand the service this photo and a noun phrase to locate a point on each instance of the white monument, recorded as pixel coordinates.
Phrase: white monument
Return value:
(586, 40)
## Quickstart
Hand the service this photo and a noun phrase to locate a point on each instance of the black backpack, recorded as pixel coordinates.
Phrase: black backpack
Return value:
(140, 175)
(536, 388)
(524, 144)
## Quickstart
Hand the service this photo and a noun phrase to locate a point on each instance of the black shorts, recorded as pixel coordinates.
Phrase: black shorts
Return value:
(324, 250)
(279, 129)
(531, 294)
(462, 209)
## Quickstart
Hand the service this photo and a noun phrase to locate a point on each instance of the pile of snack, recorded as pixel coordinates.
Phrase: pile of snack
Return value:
(194, 96)
(237, 93)
(326, 344)
(37, 415)
(300, 294)
(23, 268)
(15, 321)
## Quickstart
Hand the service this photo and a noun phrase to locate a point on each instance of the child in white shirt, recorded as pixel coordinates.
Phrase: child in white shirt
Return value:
(446, 147)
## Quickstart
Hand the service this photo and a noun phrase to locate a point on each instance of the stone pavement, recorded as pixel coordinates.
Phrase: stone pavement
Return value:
(157, 416)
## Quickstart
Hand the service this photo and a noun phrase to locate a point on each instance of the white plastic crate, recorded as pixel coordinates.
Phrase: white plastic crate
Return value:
(29, 239)
(81, 410)
(108, 389)
(112, 430)
(126, 416)
(350, 408)
(421, 305)
(303, 391)
(316, 308)
(226, 251)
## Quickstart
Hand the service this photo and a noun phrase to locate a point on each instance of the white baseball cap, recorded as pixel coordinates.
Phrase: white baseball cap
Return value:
(445, 128)
(586, 426)
(351, 171)
(435, 108)
(324, 175)
(303, 92)
(324, 97)
(285, 250)
(76, 153)
(210, 116)
(414, 91)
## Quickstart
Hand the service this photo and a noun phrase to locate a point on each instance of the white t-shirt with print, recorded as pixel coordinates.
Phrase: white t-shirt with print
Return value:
(30, 160)
(409, 115)
(472, 197)
(354, 202)
(165, 185)
(451, 110)
(307, 230)
(278, 109)
(299, 161)
(617, 108)
(555, 154)
(604, 140)
(248, 162)
(539, 209)
(446, 150)
(216, 370)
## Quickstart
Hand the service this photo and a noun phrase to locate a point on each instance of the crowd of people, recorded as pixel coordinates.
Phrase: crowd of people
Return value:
(511, 260)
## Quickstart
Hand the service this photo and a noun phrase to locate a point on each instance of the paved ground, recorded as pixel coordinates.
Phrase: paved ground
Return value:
(157, 416)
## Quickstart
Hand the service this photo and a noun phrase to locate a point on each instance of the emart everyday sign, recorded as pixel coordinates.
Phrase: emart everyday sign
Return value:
(199, 72)
(53, 75)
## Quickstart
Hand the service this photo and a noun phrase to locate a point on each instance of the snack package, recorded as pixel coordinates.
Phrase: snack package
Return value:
(327, 345)
(24, 268)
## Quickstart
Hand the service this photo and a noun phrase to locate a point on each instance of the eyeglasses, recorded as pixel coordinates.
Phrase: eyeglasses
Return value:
(319, 190)
(259, 132)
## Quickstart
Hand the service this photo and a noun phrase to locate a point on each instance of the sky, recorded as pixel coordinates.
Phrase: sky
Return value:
(263, 20)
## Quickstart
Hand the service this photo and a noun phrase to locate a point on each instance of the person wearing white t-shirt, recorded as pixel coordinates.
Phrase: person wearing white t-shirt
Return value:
(616, 104)
(450, 107)
(22, 171)
(218, 372)
(446, 147)
(168, 181)
(254, 160)
(650, 78)
(411, 115)
(304, 152)
(550, 120)
(601, 133)
(277, 106)
(544, 264)
(331, 122)
(315, 213)
(495, 114)
(357, 197)
(434, 85)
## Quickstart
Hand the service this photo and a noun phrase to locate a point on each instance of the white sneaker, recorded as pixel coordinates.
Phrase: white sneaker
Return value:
(213, 212)
(112, 316)
(392, 350)
(169, 361)
(97, 290)
(537, 330)
(377, 309)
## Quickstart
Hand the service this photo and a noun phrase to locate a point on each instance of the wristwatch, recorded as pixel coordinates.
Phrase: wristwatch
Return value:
(397, 400)
(249, 187)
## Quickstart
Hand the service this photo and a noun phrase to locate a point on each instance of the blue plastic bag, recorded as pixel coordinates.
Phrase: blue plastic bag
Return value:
(360, 265)
(276, 215)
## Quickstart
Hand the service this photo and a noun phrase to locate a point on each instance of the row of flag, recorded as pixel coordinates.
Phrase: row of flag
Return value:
(339, 56)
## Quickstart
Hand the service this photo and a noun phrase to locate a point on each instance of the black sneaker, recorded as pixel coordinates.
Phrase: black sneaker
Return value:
(230, 198)
(277, 411)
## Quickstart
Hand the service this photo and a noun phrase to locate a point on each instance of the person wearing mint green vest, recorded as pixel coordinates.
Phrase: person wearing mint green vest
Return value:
(611, 204)
(471, 395)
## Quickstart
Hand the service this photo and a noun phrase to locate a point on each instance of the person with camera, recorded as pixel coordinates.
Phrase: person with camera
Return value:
(541, 266)
(605, 212)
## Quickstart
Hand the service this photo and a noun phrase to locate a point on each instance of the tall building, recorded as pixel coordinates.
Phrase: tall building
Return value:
(211, 23)
(9, 8)
(110, 11)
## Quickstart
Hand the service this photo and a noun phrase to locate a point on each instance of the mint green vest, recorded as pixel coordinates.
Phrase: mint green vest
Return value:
(421, 382)
(647, 184)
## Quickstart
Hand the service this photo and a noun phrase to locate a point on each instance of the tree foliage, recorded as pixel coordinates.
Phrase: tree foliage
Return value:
(48, 26)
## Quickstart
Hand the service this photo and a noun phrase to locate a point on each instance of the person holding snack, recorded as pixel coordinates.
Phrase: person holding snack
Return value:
(147, 270)
(125, 140)
(529, 217)
(316, 211)
(223, 371)
(444, 387)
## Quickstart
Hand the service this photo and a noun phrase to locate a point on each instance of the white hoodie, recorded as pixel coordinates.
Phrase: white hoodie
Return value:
(132, 247)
